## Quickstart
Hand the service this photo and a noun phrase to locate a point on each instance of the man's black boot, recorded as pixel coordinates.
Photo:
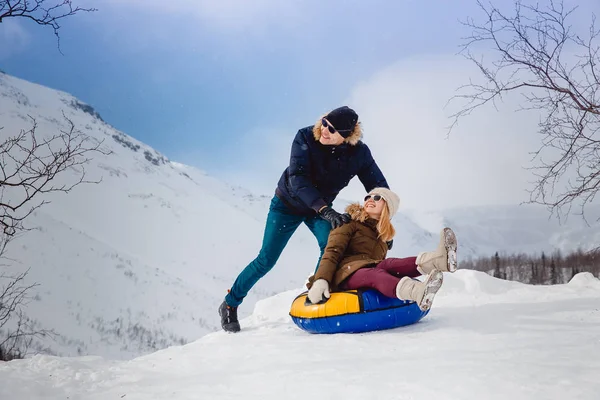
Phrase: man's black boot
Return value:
(229, 319)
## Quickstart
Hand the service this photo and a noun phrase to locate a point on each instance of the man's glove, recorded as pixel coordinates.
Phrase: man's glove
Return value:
(390, 243)
(335, 218)
(319, 291)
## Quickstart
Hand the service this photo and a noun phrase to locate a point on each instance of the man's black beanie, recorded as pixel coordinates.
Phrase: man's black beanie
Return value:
(343, 119)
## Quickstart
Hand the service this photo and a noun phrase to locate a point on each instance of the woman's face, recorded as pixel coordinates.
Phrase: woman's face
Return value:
(327, 138)
(374, 204)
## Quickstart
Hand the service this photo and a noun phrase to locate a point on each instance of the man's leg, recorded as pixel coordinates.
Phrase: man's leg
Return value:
(280, 226)
(320, 228)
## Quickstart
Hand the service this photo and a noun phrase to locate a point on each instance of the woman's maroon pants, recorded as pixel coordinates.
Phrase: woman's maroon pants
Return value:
(384, 276)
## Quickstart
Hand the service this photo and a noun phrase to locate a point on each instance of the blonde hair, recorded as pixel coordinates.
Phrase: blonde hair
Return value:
(384, 226)
(385, 229)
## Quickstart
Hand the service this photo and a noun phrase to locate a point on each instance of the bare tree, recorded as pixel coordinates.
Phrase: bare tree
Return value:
(540, 56)
(42, 12)
(32, 166)
(29, 167)
(537, 270)
(15, 341)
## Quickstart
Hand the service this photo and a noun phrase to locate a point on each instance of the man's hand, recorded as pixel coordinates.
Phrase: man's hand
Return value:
(335, 218)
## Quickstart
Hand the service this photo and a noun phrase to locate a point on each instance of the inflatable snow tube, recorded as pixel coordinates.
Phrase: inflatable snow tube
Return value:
(354, 311)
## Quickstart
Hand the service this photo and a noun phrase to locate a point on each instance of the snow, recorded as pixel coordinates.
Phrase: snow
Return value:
(131, 272)
(483, 339)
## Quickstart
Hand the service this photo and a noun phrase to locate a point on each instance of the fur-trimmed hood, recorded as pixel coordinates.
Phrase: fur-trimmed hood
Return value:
(355, 211)
(358, 214)
(352, 140)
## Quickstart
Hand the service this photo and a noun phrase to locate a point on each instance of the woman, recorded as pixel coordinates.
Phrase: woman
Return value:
(355, 256)
(324, 158)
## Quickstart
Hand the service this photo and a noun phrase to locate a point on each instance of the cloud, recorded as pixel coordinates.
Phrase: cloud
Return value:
(405, 118)
(482, 161)
(256, 160)
(233, 15)
(13, 38)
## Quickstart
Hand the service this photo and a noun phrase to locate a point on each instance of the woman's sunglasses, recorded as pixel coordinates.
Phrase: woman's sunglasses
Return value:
(375, 197)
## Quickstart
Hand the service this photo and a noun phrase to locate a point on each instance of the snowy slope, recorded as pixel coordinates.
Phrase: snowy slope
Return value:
(483, 339)
(141, 260)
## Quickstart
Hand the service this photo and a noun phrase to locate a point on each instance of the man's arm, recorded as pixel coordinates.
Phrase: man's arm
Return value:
(300, 171)
(370, 175)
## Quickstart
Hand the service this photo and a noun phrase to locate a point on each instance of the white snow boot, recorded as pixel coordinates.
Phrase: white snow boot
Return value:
(443, 258)
(421, 293)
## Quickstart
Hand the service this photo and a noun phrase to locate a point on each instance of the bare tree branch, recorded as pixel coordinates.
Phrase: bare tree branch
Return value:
(42, 12)
(539, 56)
(32, 166)
(29, 167)
(15, 338)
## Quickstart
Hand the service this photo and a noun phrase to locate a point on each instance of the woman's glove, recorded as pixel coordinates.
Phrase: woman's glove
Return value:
(335, 218)
(319, 291)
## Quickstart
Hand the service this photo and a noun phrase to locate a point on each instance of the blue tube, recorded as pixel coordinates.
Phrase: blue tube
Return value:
(377, 312)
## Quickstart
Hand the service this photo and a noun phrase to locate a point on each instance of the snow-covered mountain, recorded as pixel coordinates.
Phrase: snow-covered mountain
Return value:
(141, 260)
(529, 229)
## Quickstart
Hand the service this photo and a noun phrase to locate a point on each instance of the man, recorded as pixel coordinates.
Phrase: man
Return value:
(324, 158)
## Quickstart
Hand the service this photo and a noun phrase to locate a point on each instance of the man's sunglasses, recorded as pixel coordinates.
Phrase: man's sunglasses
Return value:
(327, 125)
(375, 197)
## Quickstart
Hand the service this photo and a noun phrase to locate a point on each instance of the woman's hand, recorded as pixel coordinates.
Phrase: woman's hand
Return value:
(319, 291)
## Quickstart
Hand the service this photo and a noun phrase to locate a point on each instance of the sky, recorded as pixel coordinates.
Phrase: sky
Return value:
(224, 86)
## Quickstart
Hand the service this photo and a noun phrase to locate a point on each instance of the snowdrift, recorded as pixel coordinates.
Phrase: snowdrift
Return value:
(483, 339)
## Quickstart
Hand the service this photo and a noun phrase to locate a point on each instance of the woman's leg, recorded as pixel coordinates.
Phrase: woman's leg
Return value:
(443, 258)
(375, 278)
(400, 267)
